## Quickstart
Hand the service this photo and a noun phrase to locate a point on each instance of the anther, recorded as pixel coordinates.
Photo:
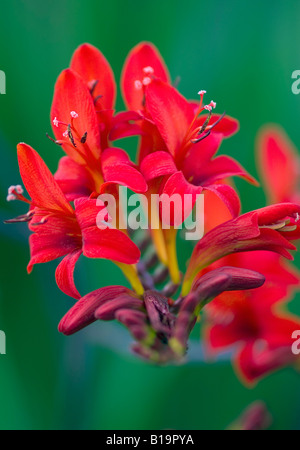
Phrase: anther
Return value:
(146, 81)
(138, 85)
(97, 98)
(11, 197)
(83, 139)
(71, 135)
(201, 92)
(92, 85)
(148, 70)
(74, 114)
(16, 193)
(55, 122)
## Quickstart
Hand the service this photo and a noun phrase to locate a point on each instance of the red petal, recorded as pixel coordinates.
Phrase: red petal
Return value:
(219, 168)
(65, 274)
(73, 178)
(82, 313)
(141, 56)
(228, 196)
(275, 213)
(92, 66)
(171, 113)
(72, 94)
(108, 310)
(110, 244)
(252, 366)
(117, 168)
(86, 211)
(39, 181)
(57, 237)
(157, 164)
(199, 155)
(124, 125)
(237, 235)
(278, 164)
(178, 185)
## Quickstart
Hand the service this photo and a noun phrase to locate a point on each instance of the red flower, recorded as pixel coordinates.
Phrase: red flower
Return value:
(259, 334)
(249, 321)
(278, 164)
(191, 141)
(59, 230)
(77, 129)
(270, 228)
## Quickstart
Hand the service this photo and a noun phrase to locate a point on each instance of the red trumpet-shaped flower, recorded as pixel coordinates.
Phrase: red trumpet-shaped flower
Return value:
(251, 322)
(270, 228)
(175, 140)
(191, 140)
(75, 123)
(59, 230)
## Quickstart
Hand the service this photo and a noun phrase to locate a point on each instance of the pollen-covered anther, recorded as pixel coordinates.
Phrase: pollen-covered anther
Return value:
(138, 85)
(208, 107)
(55, 122)
(148, 70)
(212, 104)
(11, 197)
(146, 81)
(73, 114)
(15, 189)
(16, 193)
(202, 92)
(66, 134)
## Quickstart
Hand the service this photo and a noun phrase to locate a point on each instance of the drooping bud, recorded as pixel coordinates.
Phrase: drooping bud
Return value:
(158, 311)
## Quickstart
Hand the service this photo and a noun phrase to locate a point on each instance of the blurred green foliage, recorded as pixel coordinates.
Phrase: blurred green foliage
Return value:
(243, 54)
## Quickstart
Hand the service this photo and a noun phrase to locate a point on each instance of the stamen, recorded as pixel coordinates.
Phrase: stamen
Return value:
(83, 139)
(148, 70)
(289, 228)
(213, 104)
(11, 197)
(203, 128)
(97, 98)
(16, 193)
(208, 107)
(71, 135)
(276, 226)
(23, 218)
(53, 140)
(138, 85)
(44, 220)
(146, 81)
(66, 134)
(74, 114)
(92, 85)
(55, 122)
(201, 93)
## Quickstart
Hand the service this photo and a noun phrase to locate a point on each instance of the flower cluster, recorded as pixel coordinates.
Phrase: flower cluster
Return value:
(236, 277)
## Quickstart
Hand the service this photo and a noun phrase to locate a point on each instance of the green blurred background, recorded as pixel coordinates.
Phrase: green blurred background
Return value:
(243, 53)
